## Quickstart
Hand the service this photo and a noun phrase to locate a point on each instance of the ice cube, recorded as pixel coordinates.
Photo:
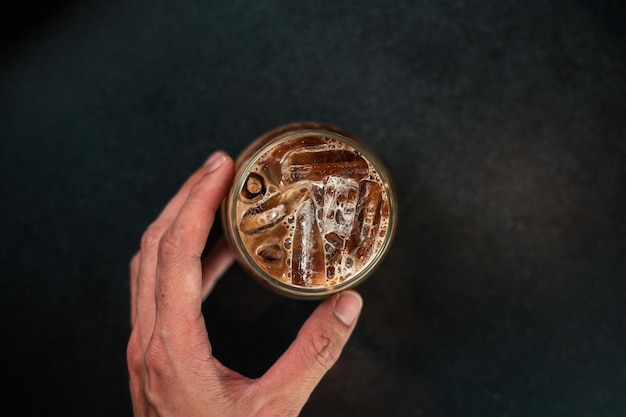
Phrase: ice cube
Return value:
(307, 263)
(271, 211)
(363, 236)
(340, 200)
(317, 162)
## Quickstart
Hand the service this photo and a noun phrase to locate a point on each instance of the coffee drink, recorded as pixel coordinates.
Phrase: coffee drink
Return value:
(311, 210)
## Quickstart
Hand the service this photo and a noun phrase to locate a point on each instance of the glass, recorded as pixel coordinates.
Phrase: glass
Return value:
(311, 211)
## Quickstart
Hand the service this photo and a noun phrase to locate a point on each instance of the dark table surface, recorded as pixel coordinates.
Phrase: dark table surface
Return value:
(503, 124)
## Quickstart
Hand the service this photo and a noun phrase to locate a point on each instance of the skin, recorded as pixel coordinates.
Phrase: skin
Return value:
(171, 366)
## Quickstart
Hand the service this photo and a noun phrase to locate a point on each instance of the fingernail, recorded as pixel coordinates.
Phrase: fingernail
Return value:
(348, 306)
(215, 161)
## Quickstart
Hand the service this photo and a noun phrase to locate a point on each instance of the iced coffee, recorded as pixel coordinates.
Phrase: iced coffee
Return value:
(311, 210)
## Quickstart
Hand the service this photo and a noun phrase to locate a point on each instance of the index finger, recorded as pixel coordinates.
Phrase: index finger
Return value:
(178, 287)
(143, 281)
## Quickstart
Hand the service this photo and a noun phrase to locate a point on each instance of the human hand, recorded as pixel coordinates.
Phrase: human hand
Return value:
(171, 366)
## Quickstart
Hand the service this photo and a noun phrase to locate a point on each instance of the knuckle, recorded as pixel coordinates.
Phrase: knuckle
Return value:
(325, 348)
(134, 355)
(170, 245)
(149, 369)
(157, 375)
(151, 237)
(155, 359)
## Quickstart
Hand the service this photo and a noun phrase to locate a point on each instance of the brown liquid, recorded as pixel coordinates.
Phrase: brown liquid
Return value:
(313, 212)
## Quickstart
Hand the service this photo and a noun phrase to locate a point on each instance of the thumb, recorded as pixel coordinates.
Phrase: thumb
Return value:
(316, 348)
